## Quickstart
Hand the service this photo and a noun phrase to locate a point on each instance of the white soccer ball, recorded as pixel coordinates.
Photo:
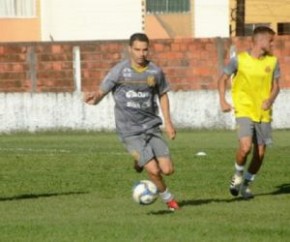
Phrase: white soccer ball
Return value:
(145, 192)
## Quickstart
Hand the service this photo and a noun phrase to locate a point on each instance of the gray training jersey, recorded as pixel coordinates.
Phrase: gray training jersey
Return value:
(135, 96)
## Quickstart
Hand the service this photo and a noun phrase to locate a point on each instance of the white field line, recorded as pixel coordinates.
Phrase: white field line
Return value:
(33, 150)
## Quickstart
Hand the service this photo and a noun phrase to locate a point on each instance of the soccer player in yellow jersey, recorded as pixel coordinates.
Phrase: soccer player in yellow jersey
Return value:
(255, 87)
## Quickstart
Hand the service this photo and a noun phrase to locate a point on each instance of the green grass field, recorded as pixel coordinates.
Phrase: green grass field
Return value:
(76, 186)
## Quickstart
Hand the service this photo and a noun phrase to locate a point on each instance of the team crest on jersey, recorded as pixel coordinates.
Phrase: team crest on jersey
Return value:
(151, 82)
(268, 69)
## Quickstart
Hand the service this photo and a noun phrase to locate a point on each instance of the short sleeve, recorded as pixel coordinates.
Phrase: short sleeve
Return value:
(110, 79)
(163, 85)
(232, 66)
(277, 71)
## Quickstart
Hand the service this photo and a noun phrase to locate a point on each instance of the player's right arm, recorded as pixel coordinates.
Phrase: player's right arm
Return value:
(222, 86)
(223, 82)
(107, 84)
(165, 108)
(93, 98)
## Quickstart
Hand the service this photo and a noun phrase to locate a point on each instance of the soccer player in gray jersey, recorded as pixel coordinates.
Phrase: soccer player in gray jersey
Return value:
(136, 83)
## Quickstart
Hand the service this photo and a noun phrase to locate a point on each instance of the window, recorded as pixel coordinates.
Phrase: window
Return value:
(17, 8)
(283, 28)
(167, 6)
(249, 28)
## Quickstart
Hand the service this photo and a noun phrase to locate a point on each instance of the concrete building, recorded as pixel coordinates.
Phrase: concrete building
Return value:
(20, 21)
(187, 19)
(67, 20)
(213, 18)
(274, 14)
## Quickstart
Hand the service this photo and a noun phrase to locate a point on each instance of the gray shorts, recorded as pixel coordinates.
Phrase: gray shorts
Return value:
(261, 132)
(147, 146)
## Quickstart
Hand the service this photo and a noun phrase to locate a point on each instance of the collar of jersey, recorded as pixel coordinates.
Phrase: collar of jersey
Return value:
(139, 69)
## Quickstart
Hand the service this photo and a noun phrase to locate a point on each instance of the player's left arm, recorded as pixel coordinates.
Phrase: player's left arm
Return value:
(267, 104)
(165, 108)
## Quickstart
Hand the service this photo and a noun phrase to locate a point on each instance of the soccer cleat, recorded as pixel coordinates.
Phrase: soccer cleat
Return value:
(137, 168)
(172, 205)
(236, 184)
(246, 192)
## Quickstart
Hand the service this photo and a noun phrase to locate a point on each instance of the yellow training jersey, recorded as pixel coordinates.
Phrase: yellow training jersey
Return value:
(252, 85)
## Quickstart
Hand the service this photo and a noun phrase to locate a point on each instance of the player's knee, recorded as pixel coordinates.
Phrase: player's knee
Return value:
(154, 172)
(152, 168)
(167, 171)
(245, 150)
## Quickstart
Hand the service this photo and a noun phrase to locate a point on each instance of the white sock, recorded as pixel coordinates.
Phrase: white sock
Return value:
(166, 196)
(239, 169)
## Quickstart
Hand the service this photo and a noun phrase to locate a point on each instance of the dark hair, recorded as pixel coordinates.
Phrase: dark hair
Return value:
(263, 30)
(138, 36)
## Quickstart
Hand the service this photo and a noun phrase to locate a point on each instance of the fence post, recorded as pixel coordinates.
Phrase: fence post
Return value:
(77, 69)
(31, 63)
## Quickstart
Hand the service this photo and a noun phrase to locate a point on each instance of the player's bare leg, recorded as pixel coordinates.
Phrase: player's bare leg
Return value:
(245, 145)
(155, 174)
(254, 167)
(257, 159)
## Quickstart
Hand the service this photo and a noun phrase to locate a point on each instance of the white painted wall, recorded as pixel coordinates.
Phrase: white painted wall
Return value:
(65, 20)
(211, 18)
(44, 111)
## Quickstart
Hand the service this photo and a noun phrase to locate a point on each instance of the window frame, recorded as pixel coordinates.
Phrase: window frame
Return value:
(14, 9)
(167, 6)
(281, 27)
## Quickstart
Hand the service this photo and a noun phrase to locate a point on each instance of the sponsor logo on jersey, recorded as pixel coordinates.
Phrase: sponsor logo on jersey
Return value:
(134, 94)
(132, 104)
(138, 105)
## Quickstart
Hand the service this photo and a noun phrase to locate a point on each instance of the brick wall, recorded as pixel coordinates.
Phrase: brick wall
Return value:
(190, 64)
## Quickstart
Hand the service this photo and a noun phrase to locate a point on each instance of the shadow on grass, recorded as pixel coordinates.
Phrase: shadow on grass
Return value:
(199, 202)
(280, 190)
(160, 212)
(196, 202)
(36, 196)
